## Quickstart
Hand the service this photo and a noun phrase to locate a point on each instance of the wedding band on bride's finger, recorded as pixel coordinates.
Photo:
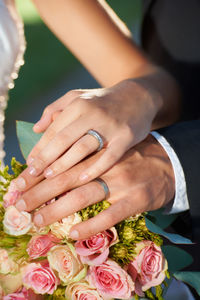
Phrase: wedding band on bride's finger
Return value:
(97, 136)
(104, 186)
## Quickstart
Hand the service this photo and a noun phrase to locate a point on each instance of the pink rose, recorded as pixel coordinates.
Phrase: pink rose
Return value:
(81, 290)
(15, 222)
(11, 196)
(95, 250)
(24, 294)
(111, 280)
(41, 279)
(40, 245)
(149, 266)
(15, 296)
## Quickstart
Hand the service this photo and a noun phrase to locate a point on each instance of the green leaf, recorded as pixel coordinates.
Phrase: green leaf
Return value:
(27, 138)
(174, 238)
(162, 220)
(177, 258)
(192, 278)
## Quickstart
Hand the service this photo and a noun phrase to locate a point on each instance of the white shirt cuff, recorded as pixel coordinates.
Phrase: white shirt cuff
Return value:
(180, 202)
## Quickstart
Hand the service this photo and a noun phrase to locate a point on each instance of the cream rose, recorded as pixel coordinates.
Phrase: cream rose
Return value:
(81, 290)
(10, 283)
(66, 263)
(62, 228)
(7, 265)
(15, 222)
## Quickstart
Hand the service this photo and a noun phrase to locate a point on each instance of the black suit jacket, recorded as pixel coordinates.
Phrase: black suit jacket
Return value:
(185, 140)
(171, 37)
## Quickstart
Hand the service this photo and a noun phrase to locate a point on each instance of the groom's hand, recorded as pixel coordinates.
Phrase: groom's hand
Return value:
(142, 181)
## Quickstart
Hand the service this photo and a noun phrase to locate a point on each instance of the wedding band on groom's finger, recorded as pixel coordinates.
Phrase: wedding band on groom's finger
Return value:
(104, 186)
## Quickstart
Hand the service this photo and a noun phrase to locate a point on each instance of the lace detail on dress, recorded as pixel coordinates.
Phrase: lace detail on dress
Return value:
(8, 79)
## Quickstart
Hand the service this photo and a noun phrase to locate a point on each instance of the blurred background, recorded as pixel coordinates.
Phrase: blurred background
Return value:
(50, 70)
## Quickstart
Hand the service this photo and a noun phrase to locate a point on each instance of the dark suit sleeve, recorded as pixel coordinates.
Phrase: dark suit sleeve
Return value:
(184, 138)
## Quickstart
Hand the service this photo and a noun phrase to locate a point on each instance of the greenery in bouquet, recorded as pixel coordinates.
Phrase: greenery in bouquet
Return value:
(128, 261)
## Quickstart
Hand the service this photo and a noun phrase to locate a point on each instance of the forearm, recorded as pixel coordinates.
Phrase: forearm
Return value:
(96, 36)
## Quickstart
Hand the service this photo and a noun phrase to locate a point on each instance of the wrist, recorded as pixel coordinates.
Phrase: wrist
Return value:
(156, 152)
(164, 95)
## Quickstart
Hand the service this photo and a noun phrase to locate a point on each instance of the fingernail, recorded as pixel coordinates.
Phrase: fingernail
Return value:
(21, 205)
(74, 234)
(38, 220)
(30, 160)
(37, 124)
(32, 171)
(48, 172)
(20, 182)
(83, 177)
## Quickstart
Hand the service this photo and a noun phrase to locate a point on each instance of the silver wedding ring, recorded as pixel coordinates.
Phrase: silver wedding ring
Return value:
(104, 186)
(97, 136)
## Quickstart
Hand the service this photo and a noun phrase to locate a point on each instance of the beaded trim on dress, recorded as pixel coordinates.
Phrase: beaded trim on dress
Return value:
(14, 74)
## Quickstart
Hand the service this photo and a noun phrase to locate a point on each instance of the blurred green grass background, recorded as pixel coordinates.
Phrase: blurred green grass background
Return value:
(47, 60)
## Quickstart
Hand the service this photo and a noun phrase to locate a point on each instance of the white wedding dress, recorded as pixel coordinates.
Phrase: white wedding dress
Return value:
(12, 47)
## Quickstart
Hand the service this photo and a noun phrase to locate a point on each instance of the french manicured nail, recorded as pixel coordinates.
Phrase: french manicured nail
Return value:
(21, 205)
(20, 183)
(38, 220)
(83, 177)
(74, 234)
(32, 171)
(48, 172)
(30, 160)
(37, 125)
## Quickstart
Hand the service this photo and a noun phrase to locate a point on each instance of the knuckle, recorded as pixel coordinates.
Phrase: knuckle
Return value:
(83, 147)
(112, 157)
(60, 182)
(127, 132)
(83, 105)
(41, 159)
(143, 194)
(125, 177)
(81, 198)
(72, 93)
(110, 218)
(48, 109)
(50, 133)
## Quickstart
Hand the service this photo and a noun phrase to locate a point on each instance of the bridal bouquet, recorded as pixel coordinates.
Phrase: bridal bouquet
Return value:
(128, 261)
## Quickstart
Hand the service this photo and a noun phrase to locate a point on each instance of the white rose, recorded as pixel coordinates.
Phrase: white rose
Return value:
(15, 222)
(7, 265)
(62, 228)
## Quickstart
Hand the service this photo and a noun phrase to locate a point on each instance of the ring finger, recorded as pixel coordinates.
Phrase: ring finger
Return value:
(70, 203)
(81, 149)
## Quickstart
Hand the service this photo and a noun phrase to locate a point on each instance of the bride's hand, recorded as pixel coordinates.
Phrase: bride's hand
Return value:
(122, 115)
(142, 180)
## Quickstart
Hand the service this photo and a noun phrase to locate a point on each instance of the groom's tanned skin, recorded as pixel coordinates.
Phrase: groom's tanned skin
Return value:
(142, 181)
